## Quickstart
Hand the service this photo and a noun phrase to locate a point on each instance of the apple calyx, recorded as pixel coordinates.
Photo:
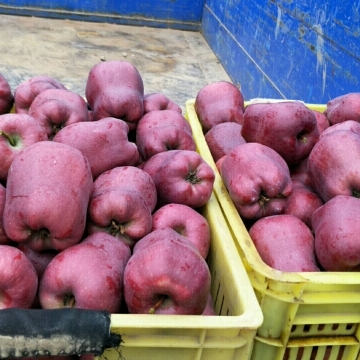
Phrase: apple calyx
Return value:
(42, 234)
(69, 301)
(10, 139)
(356, 193)
(56, 128)
(156, 306)
(302, 138)
(115, 228)
(192, 178)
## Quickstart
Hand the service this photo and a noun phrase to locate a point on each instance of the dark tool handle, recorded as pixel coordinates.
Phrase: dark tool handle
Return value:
(68, 331)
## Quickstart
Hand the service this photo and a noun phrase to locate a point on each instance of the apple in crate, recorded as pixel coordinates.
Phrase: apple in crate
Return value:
(181, 176)
(47, 193)
(56, 108)
(187, 221)
(334, 163)
(166, 275)
(17, 131)
(218, 102)
(116, 89)
(302, 202)
(104, 143)
(343, 107)
(6, 96)
(18, 279)
(27, 91)
(284, 243)
(288, 127)
(121, 204)
(163, 130)
(257, 179)
(222, 138)
(158, 101)
(321, 120)
(336, 229)
(88, 275)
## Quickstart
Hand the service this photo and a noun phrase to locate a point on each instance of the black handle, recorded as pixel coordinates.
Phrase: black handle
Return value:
(68, 331)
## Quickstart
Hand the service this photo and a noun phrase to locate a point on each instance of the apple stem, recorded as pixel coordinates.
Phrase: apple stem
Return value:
(8, 137)
(154, 308)
(115, 227)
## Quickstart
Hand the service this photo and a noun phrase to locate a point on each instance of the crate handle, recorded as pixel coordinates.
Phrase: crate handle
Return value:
(49, 332)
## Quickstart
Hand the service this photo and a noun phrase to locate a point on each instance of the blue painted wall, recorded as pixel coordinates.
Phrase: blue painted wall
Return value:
(308, 50)
(177, 14)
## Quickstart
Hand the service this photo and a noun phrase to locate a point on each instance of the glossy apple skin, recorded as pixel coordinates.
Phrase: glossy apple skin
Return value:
(163, 130)
(333, 165)
(336, 228)
(116, 89)
(6, 96)
(48, 190)
(54, 109)
(21, 131)
(168, 268)
(181, 176)
(284, 243)
(88, 275)
(187, 222)
(159, 101)
(104, 143)
(302, 202)
(290, 128)
(18, 279)
(121, 203)
(222, 138)
(26, 92)
(257, 179)
(219, 102)
(343, 107)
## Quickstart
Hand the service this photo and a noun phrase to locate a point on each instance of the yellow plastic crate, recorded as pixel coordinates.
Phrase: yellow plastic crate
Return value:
(229, 336)
(307, 316)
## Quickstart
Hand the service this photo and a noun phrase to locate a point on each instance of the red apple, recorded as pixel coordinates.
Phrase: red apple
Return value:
(187, 222)
(350, 125)
(334, 163)
(219, 102)
(27, 91)
(6, 96)
(336, 228)
(18, 279)
(257, 179)
(116, 89)
(222, 138)
(55, 108)
(343, 107)
(288, 127)
(88, 275)
(321, 120)
(17, 131)
(104, 143)
(163, 130)
(300, 172)
(158, 101)
(284, 243)
(181, 176)
(47, 194)
(302, 202)
(121, 203)
(166, 276)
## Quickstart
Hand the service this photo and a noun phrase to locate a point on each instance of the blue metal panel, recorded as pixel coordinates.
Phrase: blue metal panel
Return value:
(181, 14)
(305, 50)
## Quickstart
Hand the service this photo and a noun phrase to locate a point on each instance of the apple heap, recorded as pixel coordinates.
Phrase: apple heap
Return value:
(313, 177)
(97, 211)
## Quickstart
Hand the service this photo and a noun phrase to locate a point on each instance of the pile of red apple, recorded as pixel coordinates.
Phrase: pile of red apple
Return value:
(100, 199)
(293, 174)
